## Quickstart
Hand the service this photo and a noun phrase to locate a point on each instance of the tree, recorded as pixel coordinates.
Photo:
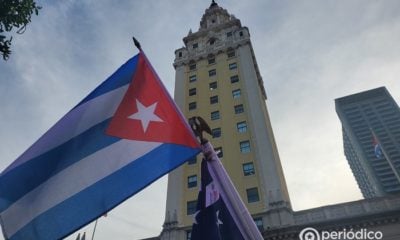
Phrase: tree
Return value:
(14, 14)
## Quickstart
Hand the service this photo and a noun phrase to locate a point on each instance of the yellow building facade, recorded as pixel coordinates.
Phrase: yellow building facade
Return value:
(217, 78)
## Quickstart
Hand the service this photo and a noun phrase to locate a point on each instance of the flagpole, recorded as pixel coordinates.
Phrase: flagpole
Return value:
(396, 173)
(137, 43)
(94, 230)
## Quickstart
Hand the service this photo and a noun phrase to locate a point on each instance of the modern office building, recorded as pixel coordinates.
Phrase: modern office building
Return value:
(217, 78)
(369, 119)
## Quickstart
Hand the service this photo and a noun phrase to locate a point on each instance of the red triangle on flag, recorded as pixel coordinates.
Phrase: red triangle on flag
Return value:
(147, 112)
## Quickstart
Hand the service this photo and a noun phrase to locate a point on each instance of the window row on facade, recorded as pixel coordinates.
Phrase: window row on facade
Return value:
(236, 94)
(212, 85)
(212, 72)
(215, 115)
(241, 127)
(233, 79)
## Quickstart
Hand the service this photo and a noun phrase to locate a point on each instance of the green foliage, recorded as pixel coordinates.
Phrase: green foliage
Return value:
(14, 14)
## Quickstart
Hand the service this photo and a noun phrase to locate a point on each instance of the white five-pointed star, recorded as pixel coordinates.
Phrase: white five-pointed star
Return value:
(145, 114)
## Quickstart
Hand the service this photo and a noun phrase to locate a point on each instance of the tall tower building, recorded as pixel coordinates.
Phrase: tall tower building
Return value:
(217, 78)
(364, 115)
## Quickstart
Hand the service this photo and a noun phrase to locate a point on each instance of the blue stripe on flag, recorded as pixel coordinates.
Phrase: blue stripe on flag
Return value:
(41, 168)
(121, 77)
(106, 194)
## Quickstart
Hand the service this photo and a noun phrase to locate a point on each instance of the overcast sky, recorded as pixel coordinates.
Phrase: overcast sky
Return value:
(308, 52)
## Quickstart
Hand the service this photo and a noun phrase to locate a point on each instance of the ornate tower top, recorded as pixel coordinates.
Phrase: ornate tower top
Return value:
(219, 32)
(214, 15)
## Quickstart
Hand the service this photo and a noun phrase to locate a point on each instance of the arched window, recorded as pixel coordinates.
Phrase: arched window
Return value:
(212, 41)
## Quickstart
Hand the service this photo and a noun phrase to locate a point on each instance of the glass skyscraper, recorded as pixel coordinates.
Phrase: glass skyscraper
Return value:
(369, 119)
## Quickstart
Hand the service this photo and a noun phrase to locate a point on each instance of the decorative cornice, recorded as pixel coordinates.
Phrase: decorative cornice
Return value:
(217, 28)
(215, 50)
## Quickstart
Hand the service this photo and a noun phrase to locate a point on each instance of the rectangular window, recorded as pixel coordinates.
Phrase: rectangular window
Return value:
(192, 106)
(192, 66)
(195, 45)
(245, 147)
(191, 161)
(231, 53)
(192, 91)
(191, 207)
(241, 33)
(216, 132)
(259, 224)
(236, 93)
(215, 115)
(234, 79)
(192, 78)
(241, 127)
(212, 72)
(239, 109)
(219, 152)
(211, 60)
(252, 195)
(180, 54)
(192, 181)
(213, 85)
(248, 169)
(213, 99)
(229, 34)
(232, 66)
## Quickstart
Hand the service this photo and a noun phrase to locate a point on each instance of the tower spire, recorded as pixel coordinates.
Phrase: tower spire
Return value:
(213, 3)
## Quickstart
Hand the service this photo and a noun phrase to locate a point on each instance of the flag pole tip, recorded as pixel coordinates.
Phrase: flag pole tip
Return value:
(137, 44)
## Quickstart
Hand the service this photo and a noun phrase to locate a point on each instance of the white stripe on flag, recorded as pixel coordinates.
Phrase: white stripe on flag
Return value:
(59, 188)
(74, 123)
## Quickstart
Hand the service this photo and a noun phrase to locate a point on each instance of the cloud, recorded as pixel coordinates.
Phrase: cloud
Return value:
(313, 59)
(309, 53)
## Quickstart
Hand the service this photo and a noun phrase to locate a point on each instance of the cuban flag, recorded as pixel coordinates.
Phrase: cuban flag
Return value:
(123, 136)
(212, 220)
